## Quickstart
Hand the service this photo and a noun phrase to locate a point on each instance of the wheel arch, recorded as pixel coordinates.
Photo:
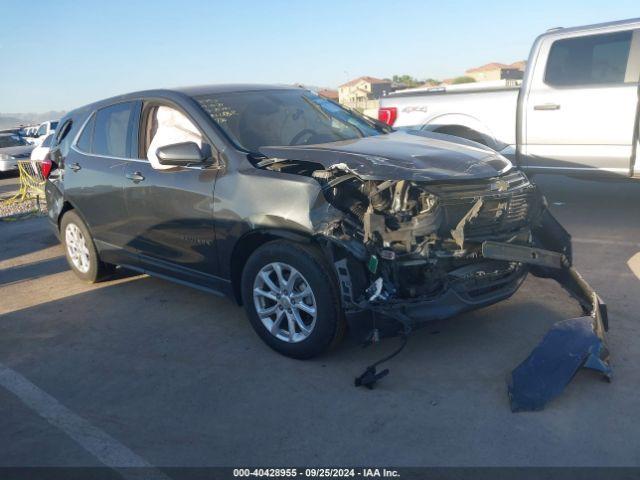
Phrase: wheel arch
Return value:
(250, 242)
(66, 207)
(464, 126)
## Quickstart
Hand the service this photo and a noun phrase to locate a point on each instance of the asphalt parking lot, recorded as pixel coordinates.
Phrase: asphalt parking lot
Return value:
(8, 182)
(177, 377)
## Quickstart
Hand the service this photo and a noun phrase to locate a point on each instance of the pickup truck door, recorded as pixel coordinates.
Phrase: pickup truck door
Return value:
(581, 107)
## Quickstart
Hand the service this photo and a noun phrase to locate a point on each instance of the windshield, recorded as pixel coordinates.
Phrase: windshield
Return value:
(12, 141)
(284, 117)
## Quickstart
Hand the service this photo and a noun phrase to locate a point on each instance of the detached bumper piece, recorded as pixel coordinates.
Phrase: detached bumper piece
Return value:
(570, 344)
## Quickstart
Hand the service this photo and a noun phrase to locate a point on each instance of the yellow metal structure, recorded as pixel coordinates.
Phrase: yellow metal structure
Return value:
(31, 182)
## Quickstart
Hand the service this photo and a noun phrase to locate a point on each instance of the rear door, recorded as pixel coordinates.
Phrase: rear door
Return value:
(581, 106)
(170, 214)
(94, 177)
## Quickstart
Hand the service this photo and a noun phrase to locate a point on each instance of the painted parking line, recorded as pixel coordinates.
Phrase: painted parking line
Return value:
(634, 265)
(98, 443)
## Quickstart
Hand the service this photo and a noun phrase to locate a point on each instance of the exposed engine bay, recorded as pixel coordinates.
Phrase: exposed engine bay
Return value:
(414, 240)
(408, 250)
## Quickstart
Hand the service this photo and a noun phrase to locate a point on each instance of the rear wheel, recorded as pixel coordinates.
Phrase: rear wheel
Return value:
(80, 250)
(291, 298)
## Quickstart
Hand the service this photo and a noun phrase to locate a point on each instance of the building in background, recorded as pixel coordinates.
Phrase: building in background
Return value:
(497, 71)
(330, 94)
(363, 93)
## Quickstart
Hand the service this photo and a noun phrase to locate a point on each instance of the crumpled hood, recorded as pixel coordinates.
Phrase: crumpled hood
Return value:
(402, 155)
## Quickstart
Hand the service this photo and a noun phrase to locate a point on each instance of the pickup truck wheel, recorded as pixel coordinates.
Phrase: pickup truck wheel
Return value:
(291, 298)
(80, 250)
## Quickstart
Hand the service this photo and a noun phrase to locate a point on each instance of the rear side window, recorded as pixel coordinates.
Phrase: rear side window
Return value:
(112, 131)
(590, 60)
(84, 142)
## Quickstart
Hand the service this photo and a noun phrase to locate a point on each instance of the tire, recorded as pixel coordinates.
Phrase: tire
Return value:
(86, 265)
(323, 331)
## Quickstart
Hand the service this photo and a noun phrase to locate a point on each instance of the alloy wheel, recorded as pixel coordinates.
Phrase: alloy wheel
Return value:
(77, 248)
(284, 302)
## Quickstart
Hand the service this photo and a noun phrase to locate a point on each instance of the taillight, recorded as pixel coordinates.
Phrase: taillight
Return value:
(388, 115)
(45, 166)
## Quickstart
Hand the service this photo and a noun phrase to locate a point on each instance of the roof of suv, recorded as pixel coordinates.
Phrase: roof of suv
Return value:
(230, 87)
(192, 91)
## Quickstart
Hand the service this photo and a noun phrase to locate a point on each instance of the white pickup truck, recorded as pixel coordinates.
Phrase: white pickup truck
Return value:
(576, 111)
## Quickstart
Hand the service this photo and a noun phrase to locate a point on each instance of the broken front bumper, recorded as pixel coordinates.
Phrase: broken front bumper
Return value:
(392, 317)
(570, 344)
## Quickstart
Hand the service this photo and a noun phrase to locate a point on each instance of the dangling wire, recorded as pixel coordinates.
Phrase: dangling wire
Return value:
(370, 376)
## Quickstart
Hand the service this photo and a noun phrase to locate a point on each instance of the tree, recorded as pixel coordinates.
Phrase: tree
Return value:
(408, 80)
(465, 79)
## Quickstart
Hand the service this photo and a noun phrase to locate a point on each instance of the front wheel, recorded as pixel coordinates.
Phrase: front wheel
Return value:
(80, 250)
(291, 298)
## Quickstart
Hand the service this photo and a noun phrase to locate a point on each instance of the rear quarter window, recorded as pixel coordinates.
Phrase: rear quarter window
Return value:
(62, 139)
(85, 140)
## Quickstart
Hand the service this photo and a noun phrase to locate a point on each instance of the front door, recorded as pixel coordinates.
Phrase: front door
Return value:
(581, 106)
(170, 211)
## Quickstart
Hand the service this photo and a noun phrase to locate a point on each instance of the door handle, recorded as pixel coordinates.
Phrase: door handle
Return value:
(75, 167)
(135, 177)
(547, 106)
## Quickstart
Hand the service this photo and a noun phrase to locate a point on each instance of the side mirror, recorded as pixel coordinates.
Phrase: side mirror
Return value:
(180, 154)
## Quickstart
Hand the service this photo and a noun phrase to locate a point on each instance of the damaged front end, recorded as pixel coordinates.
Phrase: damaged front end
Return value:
(408, 250)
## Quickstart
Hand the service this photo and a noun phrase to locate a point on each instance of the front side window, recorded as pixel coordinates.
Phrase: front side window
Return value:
(591, 60)
(112, 130)
(254, 119)
(166, 126)
(42, 130)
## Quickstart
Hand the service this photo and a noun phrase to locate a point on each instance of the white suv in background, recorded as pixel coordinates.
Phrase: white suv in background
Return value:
(40, 152)
(44, 129)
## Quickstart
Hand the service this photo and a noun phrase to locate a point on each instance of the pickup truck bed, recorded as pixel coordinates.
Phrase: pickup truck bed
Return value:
(445, 112)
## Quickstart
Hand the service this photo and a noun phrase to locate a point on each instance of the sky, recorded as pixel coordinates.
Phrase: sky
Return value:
(58, 55)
